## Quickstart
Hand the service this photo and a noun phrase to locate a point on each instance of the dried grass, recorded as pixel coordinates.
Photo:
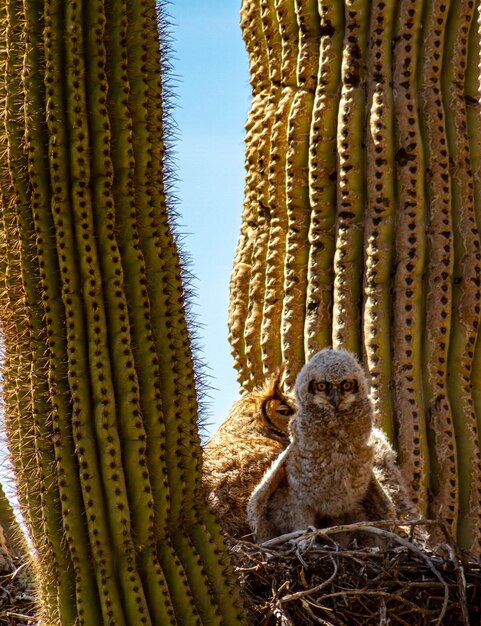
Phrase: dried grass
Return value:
(307, 578)
(17, 601)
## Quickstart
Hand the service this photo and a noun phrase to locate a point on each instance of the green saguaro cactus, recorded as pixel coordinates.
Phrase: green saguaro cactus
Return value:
(99, 379)
(376, 207)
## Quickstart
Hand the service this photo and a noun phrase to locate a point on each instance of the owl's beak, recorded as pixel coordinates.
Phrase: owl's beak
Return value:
(334, 397)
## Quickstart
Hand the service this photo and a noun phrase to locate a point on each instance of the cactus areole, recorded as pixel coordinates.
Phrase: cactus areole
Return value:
(361, 217)
(99, 383)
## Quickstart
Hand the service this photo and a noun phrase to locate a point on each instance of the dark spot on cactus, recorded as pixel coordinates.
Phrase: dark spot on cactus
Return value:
(352, 79)
(403, 157)
(471, 100)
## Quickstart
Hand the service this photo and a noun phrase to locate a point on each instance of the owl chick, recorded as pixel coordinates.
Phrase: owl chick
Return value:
(325, 476)
(244, 446)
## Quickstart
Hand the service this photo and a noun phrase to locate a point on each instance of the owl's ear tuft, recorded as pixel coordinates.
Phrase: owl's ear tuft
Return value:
(277, 382)
(272, 387)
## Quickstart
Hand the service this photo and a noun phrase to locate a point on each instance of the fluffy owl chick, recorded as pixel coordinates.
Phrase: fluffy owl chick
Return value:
(325, 476)
(244, 446)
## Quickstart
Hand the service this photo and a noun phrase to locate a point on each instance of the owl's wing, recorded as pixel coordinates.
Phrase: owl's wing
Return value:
(390, 477)
(257, 507)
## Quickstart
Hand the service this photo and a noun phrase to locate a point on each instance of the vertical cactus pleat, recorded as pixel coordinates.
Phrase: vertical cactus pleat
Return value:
(322, 179)
(297, 201)
(296, 185)
(473, 103)
(254, 216)
(281, 100)
(268, 97)
(439, 270)
(271, 338)
(100, 385)
(378, 226)
(351, 192)
(467, 280)
(374, 207)
(409, 252)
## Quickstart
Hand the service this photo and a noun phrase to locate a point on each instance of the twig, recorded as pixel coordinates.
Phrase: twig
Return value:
(380, 594)
(422, 555)
(461, 578)
(307, 592)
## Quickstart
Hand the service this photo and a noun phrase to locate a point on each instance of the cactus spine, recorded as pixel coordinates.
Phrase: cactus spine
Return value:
(100, 393)
(382, 252)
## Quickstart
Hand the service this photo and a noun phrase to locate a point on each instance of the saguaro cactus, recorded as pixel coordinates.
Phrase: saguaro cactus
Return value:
(373, 212)
(99, 381)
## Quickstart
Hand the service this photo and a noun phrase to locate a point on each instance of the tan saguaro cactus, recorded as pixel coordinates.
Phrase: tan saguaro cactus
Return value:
(99, 381)
(375, 176)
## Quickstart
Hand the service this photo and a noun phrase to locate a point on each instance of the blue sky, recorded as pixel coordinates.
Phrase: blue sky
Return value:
(212, 87)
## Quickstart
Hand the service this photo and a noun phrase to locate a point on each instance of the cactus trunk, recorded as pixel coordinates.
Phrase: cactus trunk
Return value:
(99, 379)
(382, 252)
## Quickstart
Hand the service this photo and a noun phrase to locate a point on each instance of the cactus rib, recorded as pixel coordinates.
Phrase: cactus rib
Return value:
(439, 271)
(271, 343)
(351, 192)
(251, 25)
(297, 198)
(270, 334)
(378, 229)
(409, 246)
(473, 102)
(257, 284)
(466, 284)
(322, 177)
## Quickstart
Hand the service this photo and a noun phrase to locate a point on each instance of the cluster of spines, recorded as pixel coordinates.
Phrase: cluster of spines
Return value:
(374, 197)
(100, 394)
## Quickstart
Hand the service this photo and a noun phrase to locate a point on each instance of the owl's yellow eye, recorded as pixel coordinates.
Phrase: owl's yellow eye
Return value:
(284, 409)
(347, 385)
(320, 386)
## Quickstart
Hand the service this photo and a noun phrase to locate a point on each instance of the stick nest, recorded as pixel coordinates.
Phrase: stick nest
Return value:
(307, 578)
(17, 597)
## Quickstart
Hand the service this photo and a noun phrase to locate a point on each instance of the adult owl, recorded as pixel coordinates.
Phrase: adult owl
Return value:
(244, 446)
(326, 475)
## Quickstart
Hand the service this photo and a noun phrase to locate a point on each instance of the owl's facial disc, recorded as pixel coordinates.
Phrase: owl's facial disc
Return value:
(336, 394)
(276, 414)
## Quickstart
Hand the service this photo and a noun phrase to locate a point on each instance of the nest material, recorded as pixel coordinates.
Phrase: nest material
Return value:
(307, 578)
(17, 598)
